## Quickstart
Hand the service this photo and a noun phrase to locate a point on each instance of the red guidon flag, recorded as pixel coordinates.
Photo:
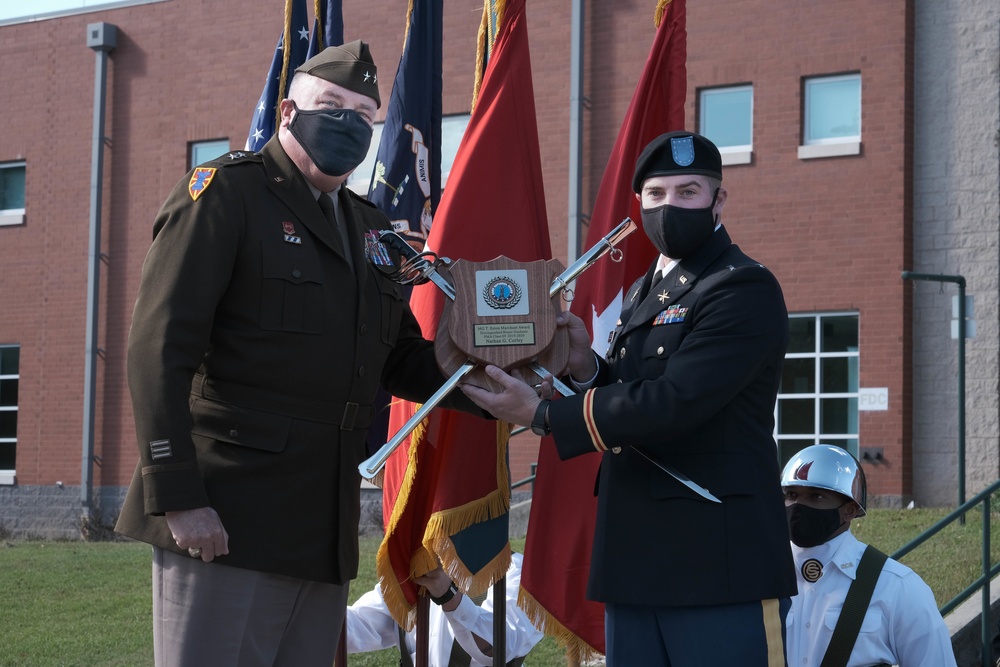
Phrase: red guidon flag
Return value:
(446, 490)
(561, 525)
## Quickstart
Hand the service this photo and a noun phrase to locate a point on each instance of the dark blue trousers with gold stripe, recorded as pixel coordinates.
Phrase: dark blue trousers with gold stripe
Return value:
(749, 634)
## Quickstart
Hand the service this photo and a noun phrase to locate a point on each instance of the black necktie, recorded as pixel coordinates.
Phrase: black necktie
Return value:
(658, 276)
(326, 205)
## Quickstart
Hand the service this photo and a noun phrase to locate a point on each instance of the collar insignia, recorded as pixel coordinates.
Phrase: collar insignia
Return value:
(812, 570)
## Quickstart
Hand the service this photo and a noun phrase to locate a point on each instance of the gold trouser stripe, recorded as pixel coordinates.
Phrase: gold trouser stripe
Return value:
(772, 633)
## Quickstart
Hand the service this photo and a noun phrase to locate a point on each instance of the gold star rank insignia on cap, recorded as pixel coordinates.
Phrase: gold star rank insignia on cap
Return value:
(200, 180)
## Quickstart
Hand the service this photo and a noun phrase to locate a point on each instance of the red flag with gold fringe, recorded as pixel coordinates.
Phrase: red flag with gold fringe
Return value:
(561, 525)
(446, 490)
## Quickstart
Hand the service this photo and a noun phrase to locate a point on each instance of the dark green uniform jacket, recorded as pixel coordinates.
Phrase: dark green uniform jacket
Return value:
(254, 357)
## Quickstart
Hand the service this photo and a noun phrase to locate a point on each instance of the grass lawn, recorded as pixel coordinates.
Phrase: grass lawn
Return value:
(88, 604)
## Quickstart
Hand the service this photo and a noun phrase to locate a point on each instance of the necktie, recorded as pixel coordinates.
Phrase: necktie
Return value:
(326, 205)
(658, 276)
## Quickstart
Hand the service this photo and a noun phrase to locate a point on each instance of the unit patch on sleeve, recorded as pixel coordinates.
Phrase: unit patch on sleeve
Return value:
(200, 180)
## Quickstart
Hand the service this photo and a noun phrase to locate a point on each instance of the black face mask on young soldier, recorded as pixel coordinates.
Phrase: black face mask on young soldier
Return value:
(336, 140)
(679, 232)
(810, 527)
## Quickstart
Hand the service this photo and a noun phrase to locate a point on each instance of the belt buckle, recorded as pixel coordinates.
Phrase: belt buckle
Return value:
(350, 416)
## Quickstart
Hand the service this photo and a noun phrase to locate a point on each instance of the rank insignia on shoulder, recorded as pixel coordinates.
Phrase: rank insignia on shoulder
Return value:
(290, 236)
(671, 315)
(200, 180)
(375, 251)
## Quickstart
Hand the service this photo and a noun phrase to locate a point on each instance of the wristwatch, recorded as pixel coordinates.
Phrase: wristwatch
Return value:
(538, 425)
(447, 595)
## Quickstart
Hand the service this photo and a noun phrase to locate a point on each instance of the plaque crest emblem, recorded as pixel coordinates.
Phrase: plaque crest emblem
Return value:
(502, 293)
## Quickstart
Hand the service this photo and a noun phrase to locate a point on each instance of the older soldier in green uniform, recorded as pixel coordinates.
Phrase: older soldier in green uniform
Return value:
(260, 334)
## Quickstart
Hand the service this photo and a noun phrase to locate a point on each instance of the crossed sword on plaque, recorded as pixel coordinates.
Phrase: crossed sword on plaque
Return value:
(418, 268)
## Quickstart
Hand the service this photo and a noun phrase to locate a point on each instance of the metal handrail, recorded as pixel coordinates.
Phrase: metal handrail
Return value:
(989, 570)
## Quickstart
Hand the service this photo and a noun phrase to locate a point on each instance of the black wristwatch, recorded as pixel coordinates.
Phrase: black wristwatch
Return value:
(447, 595)
(538, 425)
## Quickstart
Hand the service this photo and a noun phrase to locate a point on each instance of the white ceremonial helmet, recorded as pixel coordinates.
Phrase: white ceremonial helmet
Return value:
(828, 467)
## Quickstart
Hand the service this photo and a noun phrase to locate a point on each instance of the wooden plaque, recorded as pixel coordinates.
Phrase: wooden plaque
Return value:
(502, 315)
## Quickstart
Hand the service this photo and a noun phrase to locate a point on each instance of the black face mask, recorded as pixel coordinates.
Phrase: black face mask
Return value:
(679, 232)
(810, 527)
(336, 140)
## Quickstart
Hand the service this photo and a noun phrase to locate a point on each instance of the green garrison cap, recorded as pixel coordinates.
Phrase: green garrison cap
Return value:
(678, 152)
(350, 66)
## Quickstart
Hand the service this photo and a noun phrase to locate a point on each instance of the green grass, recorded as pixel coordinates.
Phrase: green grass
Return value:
(88, 604)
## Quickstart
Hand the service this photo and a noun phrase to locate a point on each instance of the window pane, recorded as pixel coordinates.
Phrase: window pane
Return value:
(798, 376)
(833, 108)
(840, 334)
(727, 116)
(796, 415)
(838, 375)
(838, 415)
(7, 455)
(203, 151)
(452, 131)
(8, 423)
(9, 357)
(802, 334)
(789, 448)
(8, 393)
(360, 179)
(12, 188)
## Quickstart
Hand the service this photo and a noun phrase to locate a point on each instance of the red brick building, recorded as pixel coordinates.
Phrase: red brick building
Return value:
(837, 219)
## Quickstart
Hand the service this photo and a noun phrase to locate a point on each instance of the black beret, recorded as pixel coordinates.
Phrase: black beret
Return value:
(678, 152)
(350, 66)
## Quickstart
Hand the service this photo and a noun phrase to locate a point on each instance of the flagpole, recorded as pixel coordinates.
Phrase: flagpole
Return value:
(576, 101)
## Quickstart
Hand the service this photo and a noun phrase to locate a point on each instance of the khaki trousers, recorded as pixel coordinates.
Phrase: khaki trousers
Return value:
(221, 616)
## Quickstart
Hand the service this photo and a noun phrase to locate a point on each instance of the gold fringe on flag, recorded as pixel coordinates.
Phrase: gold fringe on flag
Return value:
(286, 54)
(320, 27)
(661, 6)
(576, 649)
(485, 39)
(436, 542)
(409, 15)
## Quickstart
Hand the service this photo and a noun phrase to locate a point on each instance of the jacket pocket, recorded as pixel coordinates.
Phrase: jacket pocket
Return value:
(291, 289)
(722, 474)
(239, 426)
(390, 308)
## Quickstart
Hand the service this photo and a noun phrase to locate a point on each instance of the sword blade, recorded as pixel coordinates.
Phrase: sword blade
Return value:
(373, 464)
(679, 476)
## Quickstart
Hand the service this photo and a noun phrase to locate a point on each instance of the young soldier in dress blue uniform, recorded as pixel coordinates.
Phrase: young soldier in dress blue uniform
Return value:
(692, 574)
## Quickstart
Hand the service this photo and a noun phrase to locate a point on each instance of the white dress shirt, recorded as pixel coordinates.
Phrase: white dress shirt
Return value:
(370, 627)
(901, 627)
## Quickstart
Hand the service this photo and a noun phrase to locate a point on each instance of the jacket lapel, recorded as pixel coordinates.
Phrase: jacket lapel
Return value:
(675, 284)
(289, 185)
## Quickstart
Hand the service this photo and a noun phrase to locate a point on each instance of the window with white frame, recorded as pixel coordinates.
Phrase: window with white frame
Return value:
(200, 152)
(9, 377)
(726, 117)
(452, 129)
(818, 396)
(831, 121)
(12, 180)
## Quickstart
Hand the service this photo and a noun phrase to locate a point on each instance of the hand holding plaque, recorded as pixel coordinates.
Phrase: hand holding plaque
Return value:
(503, 314)
(471, 335)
